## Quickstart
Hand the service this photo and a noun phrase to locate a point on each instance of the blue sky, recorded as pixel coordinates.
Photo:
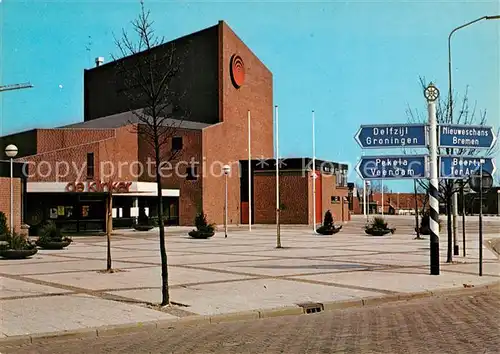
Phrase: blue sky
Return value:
(355, 62)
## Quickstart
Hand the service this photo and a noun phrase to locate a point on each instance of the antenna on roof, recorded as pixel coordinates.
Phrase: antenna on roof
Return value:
(99, 61)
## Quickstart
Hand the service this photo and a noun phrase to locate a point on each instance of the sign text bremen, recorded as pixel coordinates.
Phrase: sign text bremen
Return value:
(392, 167)
(466, 136)
(392, 136)
(463, 166)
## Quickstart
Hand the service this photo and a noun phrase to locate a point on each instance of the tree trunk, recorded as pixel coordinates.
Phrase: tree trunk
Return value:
(449, 257)
(109, 228)
(165, 296)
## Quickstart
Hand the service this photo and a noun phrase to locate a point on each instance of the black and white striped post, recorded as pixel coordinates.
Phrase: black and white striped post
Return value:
(431, 94)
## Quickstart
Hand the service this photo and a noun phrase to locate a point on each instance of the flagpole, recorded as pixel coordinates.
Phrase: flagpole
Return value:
(314, 174)
(249, 178)
(278, 236)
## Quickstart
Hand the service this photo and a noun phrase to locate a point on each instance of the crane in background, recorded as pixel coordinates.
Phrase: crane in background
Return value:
(15, 87)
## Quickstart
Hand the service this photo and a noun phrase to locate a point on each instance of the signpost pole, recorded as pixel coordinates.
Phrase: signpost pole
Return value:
(364, 198)
(368, 189)
(481, 217)
(463, 216)
(455, 216)
(431, 94)
(417, 228)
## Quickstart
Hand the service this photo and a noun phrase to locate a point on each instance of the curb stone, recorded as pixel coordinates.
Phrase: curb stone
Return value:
(62, 335)
(126, 328)
(96, 332)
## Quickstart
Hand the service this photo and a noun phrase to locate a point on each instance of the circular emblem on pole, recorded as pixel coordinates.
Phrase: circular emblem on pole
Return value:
(237, 71)
(431, 93)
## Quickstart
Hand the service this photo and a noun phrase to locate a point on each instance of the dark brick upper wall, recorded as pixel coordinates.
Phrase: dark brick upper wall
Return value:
(25, 141)
(197, 82)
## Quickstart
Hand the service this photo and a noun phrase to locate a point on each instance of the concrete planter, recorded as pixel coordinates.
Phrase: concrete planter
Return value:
(53, 245)
(17, 254)
(201, 234)
(378, 232)
(143, 227)
(324, 231)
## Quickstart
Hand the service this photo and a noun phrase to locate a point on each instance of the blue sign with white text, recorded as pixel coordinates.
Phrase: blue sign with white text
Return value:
(460, 167)
(466, 136)
(392, 167)
(392, 136)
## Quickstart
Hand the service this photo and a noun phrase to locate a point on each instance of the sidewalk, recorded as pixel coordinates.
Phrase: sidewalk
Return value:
(64, 290)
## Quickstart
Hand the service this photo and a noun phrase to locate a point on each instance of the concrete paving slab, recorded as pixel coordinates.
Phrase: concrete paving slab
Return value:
(63, 265)
(38, 258)
(398, 281)
(40, 315)
(209, 299)
(12, 288)
(135, 278)
(283, 267)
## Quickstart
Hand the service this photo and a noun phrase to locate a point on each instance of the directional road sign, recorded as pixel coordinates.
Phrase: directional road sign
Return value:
(466, 136)
(460, 167)
(392, 167)
(391, 136)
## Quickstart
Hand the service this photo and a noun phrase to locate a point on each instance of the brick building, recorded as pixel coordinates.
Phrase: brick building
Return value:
(69, 167)
(393, 203)
(19, 184)
(296, 193)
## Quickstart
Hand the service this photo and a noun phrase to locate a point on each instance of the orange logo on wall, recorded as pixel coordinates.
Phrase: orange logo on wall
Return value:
(99, 187)
(237, 71)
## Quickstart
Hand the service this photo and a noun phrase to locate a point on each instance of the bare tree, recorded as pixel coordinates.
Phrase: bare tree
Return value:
(377, 186)
(148, 76)
(465, 113)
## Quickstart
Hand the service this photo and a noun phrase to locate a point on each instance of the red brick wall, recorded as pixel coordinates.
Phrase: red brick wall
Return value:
(121, 147)
(403, 201)
(5, 201)
(190, 191)
(54, 139)
(226, 142)
(340, 211)
(293, 195)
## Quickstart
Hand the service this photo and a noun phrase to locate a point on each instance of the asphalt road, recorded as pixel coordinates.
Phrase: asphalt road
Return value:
(463, 323)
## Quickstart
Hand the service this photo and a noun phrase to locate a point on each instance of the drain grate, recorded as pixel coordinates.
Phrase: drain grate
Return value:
(312, 307)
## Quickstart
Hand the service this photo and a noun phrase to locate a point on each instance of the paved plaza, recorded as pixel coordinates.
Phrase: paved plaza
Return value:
(66, 290)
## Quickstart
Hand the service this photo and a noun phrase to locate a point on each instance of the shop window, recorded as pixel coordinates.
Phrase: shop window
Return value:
(176, 143)
(191, 173)
(90, 165)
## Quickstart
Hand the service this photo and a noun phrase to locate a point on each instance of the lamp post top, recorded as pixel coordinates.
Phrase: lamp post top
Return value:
(11, 150)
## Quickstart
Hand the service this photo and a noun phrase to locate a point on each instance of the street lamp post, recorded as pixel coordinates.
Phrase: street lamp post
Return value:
(226, 169)
(450, 111)
(450, 92)
(11, 152)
